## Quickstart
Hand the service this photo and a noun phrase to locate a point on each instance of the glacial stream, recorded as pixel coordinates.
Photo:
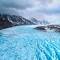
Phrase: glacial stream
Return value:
(26, 43)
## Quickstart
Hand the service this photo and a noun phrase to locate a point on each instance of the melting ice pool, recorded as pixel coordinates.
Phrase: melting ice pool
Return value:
(26, 43)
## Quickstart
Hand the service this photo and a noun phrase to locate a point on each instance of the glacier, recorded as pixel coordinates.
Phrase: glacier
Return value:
(26, 43)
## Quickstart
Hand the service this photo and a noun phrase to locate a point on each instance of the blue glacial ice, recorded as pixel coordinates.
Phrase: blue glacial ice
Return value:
(26, 43)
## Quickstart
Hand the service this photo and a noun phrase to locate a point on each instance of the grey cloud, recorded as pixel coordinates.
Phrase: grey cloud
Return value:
(12, 6)
(27, 7)
(8, 11)
(46, 10)
(18, 4)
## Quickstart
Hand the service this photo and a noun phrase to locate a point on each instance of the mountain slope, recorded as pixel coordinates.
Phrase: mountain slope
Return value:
(12, 20)
(36, 21)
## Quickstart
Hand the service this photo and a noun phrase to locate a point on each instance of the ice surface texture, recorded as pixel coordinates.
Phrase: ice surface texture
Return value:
(26, 43)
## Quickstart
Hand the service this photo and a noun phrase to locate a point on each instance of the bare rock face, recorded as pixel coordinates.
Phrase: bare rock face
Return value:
(41, 28)
(55, 28)
(7, 21)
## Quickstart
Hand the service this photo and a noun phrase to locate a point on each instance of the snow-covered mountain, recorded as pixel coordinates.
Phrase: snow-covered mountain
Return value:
(36, 21)
(12, 20)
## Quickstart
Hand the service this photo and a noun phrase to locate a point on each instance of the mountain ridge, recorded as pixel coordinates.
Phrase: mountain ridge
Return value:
(37, 21)
(7, 21)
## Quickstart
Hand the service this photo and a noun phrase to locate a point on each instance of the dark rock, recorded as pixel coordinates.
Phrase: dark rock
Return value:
(12, 20)
(55, 28)
(41, 28)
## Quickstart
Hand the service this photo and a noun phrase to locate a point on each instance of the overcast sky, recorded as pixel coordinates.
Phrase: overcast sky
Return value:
(40, 9)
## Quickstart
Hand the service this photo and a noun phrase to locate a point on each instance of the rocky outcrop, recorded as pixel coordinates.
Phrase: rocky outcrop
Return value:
(5, 24)
(55, 28)
(41, 28)
(12, 20)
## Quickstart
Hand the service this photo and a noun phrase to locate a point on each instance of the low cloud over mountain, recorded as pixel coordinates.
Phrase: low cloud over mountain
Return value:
(31, 8)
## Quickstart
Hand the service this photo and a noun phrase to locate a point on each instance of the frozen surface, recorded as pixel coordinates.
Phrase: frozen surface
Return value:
(26, 43)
